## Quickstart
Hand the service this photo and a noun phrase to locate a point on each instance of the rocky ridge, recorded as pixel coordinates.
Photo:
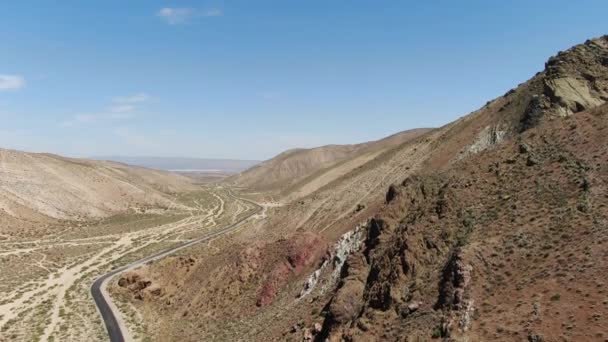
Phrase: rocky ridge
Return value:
(488, 231)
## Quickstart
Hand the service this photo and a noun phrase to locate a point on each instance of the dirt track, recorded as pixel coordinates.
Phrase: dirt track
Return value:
(48, 297)
(117, 329)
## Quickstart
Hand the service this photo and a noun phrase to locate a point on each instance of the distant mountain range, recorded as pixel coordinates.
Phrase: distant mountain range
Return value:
(185, 164)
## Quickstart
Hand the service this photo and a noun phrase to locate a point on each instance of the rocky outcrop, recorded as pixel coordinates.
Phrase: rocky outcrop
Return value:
(474, 252)
(133, 281)
(140, 286)
(534, 112)
(570, 95)
(348, 243)
(385, 276)
(455, 278)
(391, 193)
(348, 302)
(573, 81)
(488, 137)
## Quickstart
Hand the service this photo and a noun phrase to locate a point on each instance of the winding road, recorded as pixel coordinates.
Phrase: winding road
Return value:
(102, 299)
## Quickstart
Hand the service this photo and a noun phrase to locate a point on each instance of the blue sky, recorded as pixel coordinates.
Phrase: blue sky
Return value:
(249, 79)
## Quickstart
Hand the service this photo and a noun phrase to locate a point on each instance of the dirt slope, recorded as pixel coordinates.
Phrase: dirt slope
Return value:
(293, 166)
(493, 228)
(572, 81)
(36, 189)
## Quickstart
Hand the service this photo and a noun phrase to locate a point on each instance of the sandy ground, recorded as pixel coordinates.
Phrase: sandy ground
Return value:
(48, 299)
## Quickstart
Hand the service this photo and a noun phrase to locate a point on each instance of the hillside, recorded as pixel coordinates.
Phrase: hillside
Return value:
(315, 167)
(501, 194)
(507, 245)
(492, 227)
(39, 189)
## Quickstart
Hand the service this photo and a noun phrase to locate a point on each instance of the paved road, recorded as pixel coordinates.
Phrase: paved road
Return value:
(114, 329)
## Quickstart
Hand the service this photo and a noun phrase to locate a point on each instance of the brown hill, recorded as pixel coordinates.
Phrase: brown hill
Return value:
(507, 245)
(312, 168)
(493, 229)
(36, 189)
(451, 249)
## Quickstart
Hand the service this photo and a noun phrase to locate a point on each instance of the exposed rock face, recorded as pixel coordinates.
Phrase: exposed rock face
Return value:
(573, 81)
(535, 111)
(303, 250)
(384, 276)
(571, 95)
(143, 285)
(133, 281)
(456, 276)
(273, 284)
(348, 243)
(348, 301)
(490, 136)
(577, 79)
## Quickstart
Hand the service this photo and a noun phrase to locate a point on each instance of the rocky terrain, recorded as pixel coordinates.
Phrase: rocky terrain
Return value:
(502, 246)
(454, 243)
(492, 227)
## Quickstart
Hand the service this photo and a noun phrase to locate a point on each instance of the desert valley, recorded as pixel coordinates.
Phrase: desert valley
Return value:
(327, 171)
(491, 228)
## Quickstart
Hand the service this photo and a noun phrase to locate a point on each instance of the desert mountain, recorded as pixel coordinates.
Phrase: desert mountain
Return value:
(446, 253)
(298, 168)
(572, 81)
(36, 189)
(492, 227)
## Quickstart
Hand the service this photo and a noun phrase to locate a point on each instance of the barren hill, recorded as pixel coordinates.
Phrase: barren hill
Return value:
(492, 227)
(293, 166)
(38, 188)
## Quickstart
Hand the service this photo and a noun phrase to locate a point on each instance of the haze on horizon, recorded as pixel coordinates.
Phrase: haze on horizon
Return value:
(215, 79)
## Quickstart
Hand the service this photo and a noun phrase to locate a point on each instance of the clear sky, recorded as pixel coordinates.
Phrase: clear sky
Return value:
(248, 79)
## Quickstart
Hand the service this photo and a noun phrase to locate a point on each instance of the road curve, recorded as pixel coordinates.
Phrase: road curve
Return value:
(97, 289)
